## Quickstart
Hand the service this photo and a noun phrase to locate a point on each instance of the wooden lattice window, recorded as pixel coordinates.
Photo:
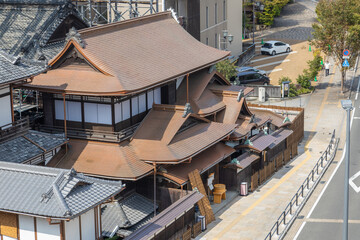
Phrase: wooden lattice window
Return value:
(8, 225)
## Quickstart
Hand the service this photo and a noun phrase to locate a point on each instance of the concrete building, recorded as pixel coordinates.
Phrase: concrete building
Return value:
(206, 20)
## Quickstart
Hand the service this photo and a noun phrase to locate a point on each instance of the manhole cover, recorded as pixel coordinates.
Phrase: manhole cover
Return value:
(335, 162)
(322, 182)
(301, 217)
(340, 149)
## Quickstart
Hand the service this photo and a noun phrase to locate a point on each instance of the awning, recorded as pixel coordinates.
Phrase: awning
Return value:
(202, 162)
(166, 217)
(244, 160)
(262, 141)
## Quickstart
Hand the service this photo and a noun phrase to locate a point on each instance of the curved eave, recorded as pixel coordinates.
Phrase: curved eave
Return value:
(189, 157)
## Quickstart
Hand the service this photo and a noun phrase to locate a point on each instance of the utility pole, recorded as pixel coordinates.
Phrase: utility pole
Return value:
(253, 27)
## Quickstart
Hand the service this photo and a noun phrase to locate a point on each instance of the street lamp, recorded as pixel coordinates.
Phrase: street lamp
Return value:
(347, 105)
(226, 38)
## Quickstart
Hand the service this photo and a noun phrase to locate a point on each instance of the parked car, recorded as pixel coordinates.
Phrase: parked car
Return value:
(275, 47)
(250, 77)
(249, 69)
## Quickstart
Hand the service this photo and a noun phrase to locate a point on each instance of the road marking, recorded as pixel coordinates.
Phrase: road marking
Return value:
(352, 184)
(300, 229)
(337, 167)
(270, 57)
(319, 220)
(274, 70)
(284, 178)
(356, 118)
(273, 63)
(357, 91)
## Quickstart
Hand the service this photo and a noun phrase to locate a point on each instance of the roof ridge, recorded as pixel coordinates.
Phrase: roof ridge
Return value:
(21, 168)
(124, 22)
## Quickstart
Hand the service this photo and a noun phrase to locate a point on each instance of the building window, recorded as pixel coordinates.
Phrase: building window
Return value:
(216, 40)
(207, 17)
(216, 16)
(224, 10)
(207, 41)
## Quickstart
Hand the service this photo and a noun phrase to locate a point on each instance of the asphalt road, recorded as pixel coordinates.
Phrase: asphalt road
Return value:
(325, 219)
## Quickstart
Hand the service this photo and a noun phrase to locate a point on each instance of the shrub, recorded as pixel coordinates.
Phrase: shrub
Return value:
(227, 69)
(272, 9)
(304, 80)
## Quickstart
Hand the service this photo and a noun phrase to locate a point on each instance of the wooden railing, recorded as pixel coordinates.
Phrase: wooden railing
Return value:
(90, 134)
(13, 129)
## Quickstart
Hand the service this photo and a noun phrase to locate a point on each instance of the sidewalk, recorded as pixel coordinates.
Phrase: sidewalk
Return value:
(252, 217)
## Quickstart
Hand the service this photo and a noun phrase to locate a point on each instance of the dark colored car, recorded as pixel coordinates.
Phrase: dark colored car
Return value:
(250, 77)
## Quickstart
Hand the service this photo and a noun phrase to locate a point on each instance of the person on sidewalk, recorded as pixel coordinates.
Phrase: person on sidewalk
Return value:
(327, 68)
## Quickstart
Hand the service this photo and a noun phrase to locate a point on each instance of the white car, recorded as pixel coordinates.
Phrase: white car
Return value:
(275, 47)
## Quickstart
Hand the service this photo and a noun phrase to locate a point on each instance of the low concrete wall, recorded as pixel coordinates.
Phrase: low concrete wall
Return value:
(246, 55)
(270, 91)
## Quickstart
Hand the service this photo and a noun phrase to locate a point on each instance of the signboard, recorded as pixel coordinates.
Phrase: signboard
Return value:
(346, 63)
(210, 181)
(346, 54)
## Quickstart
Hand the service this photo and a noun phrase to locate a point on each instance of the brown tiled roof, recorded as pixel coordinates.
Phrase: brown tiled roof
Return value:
(280, 136)
(202, 162)
(230, 90)
(202, 100)
(138, 53)
(106, 160)
(244, 160)
(263, 116)
(243, 128)
(159, 138)
(261, 141)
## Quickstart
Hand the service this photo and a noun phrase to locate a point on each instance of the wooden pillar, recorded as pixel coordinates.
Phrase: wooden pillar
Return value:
(35, 228)
(154, 189)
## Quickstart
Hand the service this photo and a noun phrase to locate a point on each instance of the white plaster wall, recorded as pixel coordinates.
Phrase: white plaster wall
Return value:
(8, 238)
(72, 229)
(26, 226)
(88, 225)
(5, 108)
(45, 231)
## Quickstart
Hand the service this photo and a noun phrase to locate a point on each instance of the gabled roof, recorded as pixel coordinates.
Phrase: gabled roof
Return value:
(50, 192)
(106, 160)
(125, 213)
(203, 102)
(29, 145)
(263, 116)
(202, 162)
(27, 26)
(166, 136)
(261, 141)
(168, 53)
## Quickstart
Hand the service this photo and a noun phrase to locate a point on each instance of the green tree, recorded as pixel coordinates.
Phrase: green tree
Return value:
(227, 69)
(338, 28)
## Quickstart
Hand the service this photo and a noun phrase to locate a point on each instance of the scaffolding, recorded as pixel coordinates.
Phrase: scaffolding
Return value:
(96, 12)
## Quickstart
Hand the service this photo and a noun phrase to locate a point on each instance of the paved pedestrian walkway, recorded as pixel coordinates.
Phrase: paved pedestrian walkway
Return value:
(252, 217)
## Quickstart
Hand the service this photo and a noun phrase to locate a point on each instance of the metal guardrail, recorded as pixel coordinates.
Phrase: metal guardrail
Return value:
(298, 201)
(246, 55)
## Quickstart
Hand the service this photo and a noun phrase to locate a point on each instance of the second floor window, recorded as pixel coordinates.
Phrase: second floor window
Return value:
(216, 15)
(207, 17)
(216, 40)
(224, 10)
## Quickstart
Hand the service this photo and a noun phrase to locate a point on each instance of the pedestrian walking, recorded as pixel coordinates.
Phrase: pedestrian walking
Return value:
(327, 68)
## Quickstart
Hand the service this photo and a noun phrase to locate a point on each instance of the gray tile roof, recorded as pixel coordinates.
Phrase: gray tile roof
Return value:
(11, 69)
(125, 214)
(51, 192)
(25, 25)
(22, 148)
(166, 217)
(25, 29)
